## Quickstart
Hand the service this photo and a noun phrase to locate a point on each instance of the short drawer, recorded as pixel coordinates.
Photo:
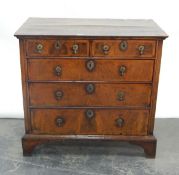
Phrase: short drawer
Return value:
(89, 94)
(56, 48)
(124, 48)
(89, 70)
(89, 121)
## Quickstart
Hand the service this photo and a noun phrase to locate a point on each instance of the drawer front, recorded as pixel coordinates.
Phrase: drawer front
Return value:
(57, 48)
(89, 121)
(89, 94)
(98, 70)
(124, 48)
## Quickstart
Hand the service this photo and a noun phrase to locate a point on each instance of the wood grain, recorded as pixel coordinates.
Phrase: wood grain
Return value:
(64, 47)
(76, 70)
(155, 87)
(148, 143)
(76, 122)
(90, 27)
(131, 51)
(25, 90)
(123, 105)
(74, 94)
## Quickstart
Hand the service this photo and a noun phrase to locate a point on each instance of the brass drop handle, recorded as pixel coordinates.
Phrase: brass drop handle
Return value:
(105, 49)
(121, 96)
(120, 122)
(90, 88)
(60, 121)
(58, 45)
(89, 114)
(141, 49)
(58, 95)
(58, 70)
(122, 70)
(39, 48)
(75, 48)
(90, 65)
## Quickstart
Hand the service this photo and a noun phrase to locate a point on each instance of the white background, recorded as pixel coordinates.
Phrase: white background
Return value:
(14, 12)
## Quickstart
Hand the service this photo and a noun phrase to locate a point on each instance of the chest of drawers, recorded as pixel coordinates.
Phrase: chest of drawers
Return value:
(92, 79)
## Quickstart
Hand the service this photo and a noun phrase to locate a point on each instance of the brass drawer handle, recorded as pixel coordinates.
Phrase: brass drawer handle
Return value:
(141, 49)
(89, 114)
(120, 122)
(105, 49)
(59, 95)
(75, 48)
(39, 48)
(123, 45)
(90, 88)
(58, 45)
(121, 96)
(58, 70)
(90, 65)
(60, 121)
(122, 70)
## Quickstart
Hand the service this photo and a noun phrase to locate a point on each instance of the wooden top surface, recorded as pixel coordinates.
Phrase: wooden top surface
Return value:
(90, 27)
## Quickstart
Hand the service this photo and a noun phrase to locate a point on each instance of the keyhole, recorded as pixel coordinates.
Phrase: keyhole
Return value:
(123, 45)
(90, 88)
(90, 113)
(90, 65)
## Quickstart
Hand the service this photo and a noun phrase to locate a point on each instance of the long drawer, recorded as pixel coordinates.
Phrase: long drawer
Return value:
(89, 121)
(89, 94)
(89, 70)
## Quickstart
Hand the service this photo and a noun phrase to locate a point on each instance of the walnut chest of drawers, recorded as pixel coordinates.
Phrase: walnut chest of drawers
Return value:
(90, 79)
